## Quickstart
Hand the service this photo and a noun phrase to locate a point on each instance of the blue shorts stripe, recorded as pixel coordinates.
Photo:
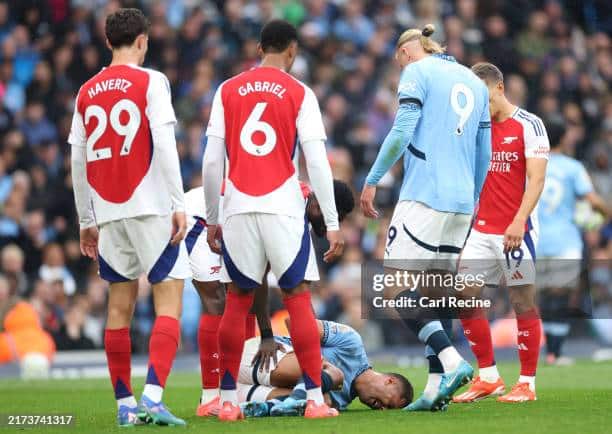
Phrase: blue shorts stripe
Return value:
(165, 264)
(235, 274)
(296, 271)
(530, 245)
(194, 234)
(107, 273)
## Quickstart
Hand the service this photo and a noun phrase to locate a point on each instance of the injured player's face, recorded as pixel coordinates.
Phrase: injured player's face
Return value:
(384, 390)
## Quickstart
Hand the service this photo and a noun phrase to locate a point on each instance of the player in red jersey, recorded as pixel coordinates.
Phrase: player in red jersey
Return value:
(129, 198)
(205, 268)
(257, 119)
(501, 245)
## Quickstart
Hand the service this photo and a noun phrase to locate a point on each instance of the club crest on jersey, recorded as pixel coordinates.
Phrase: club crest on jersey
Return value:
(509, 140)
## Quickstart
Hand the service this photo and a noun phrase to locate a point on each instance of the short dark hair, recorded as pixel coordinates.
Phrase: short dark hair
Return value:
(555, 130)
(488, 72)
(124, 26)
(406, 390)
(276, 36)
(345, 201)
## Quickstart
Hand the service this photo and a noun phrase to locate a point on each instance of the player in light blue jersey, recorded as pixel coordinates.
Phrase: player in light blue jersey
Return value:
(560, 246)
(347, 375)
(442, 130)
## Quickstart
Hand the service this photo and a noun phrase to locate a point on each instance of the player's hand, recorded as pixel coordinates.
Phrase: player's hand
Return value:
(267, 351)
(336, 246)
(367, 201)
(89, 242)
(213, 235)
(179, 227)
(513, 237)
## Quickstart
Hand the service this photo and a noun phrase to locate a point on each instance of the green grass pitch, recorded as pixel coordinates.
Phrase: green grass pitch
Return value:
(575, 399)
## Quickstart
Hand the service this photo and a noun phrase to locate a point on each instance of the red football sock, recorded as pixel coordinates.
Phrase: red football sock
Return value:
(162, 349)
(118, 347)
(231, 337)
(529, 336)
(478, 333)
(305, 337)
(208, 344)
(250, 326)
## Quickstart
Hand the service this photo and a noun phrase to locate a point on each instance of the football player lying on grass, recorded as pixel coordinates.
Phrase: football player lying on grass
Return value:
(273, 385)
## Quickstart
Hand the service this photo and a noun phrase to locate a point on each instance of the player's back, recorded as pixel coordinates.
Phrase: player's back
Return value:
(566, 181)
(115, 114)
(263, 110)
(441, 165)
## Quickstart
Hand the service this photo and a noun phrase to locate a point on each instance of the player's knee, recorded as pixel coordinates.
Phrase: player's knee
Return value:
(522, 301)
(119, 315)
(212, 295)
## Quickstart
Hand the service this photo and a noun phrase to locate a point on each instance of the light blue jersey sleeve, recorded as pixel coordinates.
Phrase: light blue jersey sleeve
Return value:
(340, 336)
(483, 149)
(582, 181)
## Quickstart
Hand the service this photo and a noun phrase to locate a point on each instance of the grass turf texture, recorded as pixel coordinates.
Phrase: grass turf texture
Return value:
(572, 399)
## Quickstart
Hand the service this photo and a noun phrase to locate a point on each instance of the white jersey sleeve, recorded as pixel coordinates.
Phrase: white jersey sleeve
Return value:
(309, 121)
(216, 123)
(159, 100)
(78, 135)
(535, 137)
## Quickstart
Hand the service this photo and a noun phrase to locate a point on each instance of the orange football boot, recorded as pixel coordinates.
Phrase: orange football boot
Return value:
(481, 389)
(211, 408)
(230, 412)
(519, 393)
(314, 411)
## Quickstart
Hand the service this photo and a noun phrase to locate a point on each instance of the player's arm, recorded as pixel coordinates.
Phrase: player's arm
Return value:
(536, 155)
(598, 203)
(268, 347)
(311, 133)
(212, 168)
(80, 187)
(583, 186)
(392, 149)
(162, 121)
(483, 150)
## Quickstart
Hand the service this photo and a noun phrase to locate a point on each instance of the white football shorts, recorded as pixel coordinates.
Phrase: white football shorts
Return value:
(133, 246)
(421, 238)
(205, 264)
(249, 372)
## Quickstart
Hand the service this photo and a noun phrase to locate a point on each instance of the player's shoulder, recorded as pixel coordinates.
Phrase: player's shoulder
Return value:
(531, 123)
(154, 75)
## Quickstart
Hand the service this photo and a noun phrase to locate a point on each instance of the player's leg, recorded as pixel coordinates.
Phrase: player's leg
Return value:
(119, 266)
(244, 264)
(166, 267)
(289, 250)
(520, 278)
(479, 262)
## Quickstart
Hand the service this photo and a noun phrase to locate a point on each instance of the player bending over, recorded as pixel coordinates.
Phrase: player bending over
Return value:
(560, 247)
(347, 375)
(255, 120)
(501, 246)
(442, 129)
(205, 268)
(129, 198)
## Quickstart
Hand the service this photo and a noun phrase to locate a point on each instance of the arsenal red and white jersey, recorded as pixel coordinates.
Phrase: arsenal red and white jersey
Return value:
(262, 114)
(114, 114)
(514, 140)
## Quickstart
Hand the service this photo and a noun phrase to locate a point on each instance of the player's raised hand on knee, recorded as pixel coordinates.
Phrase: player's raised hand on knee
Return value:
(89, 242)
(336, 246)
(367, 201)
(179, 227)
(213, 238)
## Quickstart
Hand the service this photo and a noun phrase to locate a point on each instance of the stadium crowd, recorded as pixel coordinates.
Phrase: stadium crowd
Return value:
(557, 59)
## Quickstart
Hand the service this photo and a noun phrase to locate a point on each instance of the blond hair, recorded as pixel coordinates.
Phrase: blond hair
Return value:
(423, 36)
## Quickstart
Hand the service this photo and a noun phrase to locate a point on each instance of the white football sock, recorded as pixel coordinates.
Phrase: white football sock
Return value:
(128, 401)
(228, 396)
(450, 358)
(153, 392)
(209, 395)
(432, 386)
(489, 374)
(527, 379)
(315, 395)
